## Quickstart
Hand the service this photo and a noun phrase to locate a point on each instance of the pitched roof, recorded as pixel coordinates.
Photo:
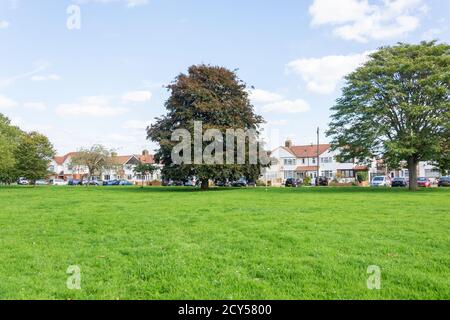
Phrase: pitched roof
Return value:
(121, 159)
(117, 159)
(61, 159)
(309, 151)
(149, 158)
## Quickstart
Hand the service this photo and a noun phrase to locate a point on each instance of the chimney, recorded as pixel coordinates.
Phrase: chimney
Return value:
(288, 143)
(145, 153)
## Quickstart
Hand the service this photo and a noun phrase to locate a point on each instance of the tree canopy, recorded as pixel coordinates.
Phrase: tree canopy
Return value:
(396, 107)
(219, 99)
(33, 155)
(23, 154)
(96, 159)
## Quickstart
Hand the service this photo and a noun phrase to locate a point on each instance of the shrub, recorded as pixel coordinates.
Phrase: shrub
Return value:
(307, 181)
(362, 176)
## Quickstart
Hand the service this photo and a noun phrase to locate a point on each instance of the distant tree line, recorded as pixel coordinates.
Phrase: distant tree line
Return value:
(23, 154)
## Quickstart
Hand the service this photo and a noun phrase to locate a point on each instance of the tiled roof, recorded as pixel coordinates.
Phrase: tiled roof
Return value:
(309, 151)
(146, 158)
(117, 159)
(62, 159)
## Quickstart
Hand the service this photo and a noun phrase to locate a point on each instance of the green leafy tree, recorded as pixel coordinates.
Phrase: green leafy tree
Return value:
(10, 137)
(95, 159)
(396, 107)
(216, 97)
(143, 170)
(33, 156)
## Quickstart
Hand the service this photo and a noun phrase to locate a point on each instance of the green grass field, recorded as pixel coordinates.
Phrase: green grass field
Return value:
(162, 243)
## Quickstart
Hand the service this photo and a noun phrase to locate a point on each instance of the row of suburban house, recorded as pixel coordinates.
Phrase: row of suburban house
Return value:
(61, 168)
(289, 161)
(299, 162)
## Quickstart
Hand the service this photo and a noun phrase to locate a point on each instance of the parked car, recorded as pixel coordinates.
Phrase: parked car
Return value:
(172, 183)
(22, 182)
(91, 182)
(251, 183)
(111, 183)
(242, 182)
(74, 182)
(57, 182)
(323, 181)
(189, 183)
(444, 182)
(380, 181)
(222, 183)
(423, 182)
(40, 182)
(291, 183)
(399, 182)
(125, 183)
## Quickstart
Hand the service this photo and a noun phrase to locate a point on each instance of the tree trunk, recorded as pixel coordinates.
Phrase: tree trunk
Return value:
(412, 168)
(205, 184)
(142, 183)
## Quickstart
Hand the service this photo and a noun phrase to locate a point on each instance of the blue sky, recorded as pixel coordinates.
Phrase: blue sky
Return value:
(103, 83)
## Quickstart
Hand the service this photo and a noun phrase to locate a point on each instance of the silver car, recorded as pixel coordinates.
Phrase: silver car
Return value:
(380, 181)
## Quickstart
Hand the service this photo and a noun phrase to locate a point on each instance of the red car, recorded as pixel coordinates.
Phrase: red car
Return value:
(423, 182)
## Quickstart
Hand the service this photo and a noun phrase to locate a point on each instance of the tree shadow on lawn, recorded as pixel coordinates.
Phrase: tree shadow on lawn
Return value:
(317, 190)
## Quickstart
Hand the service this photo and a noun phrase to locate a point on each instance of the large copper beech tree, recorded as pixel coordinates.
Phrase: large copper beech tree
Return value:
(219, 99)
(397, 107)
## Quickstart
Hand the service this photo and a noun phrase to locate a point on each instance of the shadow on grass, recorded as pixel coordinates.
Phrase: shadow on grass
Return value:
(319, 190)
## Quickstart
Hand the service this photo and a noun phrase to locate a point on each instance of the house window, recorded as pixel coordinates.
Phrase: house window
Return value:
(130, 177)
(347, 173)
(107, 177)
(326, 160)
(288, 174)
(314, 160)
(289, 162)
(303, 161)
(328, 174)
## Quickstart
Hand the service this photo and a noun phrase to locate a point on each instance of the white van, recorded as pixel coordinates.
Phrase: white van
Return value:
(57, 182)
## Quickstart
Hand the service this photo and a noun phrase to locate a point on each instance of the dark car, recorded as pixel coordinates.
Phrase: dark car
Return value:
(444, 182)
(125, 183)
(424, 182)
(291, 183)
(74, 182)
(111, 183)
(240, 183)
(323, 181)
(222, 183)
(399, 182)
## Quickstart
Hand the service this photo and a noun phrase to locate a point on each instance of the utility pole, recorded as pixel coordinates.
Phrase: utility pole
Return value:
(318, 156)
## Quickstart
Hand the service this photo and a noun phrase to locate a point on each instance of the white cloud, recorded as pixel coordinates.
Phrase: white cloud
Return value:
(136, 3)
(276, 103)
(94, 106)
(287, 106)
(282, 122)
(37, 106)
(362, 21)
(129, 3)
(322, 75)
(26, 126)
(263, 96)
(4, 24)
(136, 124)
(137, 96)
(50, 77)
(7, 103)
